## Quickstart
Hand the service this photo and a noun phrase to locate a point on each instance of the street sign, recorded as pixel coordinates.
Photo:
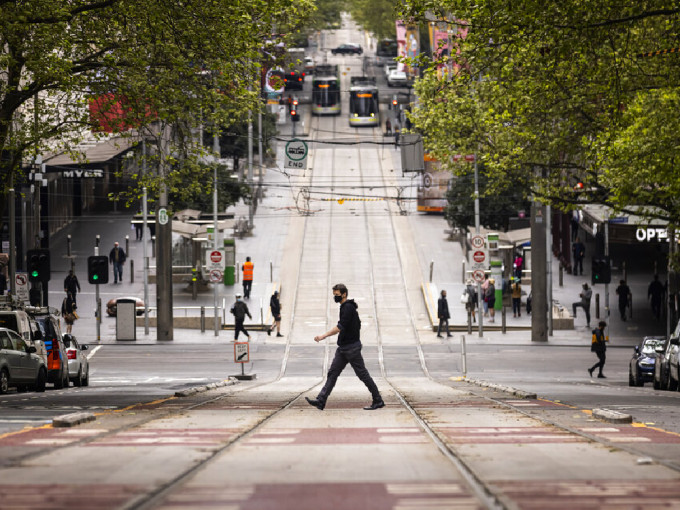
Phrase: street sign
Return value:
(478, 275)
(163, 216)
(296, 154)
(214, 259)
(21, 286)
(216, 276)
(479, 256)
(477, 242)
(241, 352)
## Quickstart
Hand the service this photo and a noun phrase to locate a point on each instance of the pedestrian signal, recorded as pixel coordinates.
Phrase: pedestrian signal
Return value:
(601, 270)
(98, 269)
(38, 265)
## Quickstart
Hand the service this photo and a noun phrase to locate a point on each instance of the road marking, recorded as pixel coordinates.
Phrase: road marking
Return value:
(92, 353)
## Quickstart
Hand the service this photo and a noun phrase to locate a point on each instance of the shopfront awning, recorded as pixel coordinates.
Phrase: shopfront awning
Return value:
(91, 152)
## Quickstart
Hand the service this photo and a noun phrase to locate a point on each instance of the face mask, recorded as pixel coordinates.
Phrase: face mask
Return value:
(337, 299)
(238, 299)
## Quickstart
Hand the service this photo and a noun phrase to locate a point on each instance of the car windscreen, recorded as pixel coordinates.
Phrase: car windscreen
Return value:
(650, 345)
(9, 321)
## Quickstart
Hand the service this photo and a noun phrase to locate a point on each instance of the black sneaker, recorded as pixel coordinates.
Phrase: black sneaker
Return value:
(269, 332)
(279, 334)
(590, 371)
(376, 404)
(601, 376)
(316, 403)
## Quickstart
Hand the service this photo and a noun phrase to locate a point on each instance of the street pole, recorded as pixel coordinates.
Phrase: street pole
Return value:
(98, 305)
(606, 254)
(216, 148)
(146, 259)
(259, 149)
(164, 330)
(251, 211)
(12, 244)
(539, 315)
(480, 298)
(548, 263)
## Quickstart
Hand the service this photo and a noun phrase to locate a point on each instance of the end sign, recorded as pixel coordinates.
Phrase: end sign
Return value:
(296, 154)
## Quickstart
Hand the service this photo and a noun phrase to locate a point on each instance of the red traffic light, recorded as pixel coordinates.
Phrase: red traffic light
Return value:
(394, 102)
(295, 102)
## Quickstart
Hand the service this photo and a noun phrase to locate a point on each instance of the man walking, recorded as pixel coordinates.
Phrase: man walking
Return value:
(623, 291)
(117, 258)
(348, 351)
(71, 285)
(443, 314)
(655, 292)
(585, 295)
(578, 249)
(599, 347)
(239, 310)
(247, 269)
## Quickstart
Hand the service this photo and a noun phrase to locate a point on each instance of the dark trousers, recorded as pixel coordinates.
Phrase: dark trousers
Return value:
(442, 322)
(602, 357)
(517, 306)
(247, 285)
(343, 355)
(578, 265)
(656, 307)
(117, 272)
(586, 309)
(238, 327)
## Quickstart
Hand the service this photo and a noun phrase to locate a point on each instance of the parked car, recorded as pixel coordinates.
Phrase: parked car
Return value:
(309, 65)
(26, 327)
(112, 305)
(50, 334)
(293, 80)
(78, 365)
(397, 78)
(662, 366)
(389, 68)
(641, 366)
(347, 49)
(20, 366)
(674, 359)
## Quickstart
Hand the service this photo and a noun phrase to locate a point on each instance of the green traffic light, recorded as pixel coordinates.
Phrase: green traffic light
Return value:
(95, 277)
(34, 274)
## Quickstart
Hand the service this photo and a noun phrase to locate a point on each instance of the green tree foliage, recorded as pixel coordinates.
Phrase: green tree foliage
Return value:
(326, 15)
(559, 92)
(174, 62)
(376, 16)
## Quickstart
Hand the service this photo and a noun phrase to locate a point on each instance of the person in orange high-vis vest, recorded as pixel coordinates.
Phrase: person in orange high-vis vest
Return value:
(248, 267)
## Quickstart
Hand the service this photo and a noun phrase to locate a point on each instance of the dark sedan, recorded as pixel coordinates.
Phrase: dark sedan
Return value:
(662, 367)
(641, 367)
(293, 80)
(347, 49)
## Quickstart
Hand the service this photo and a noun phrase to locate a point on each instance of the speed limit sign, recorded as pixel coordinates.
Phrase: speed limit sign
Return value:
(477, 242)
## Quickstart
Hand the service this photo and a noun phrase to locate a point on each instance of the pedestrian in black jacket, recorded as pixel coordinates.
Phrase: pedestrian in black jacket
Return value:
(71, 285)
(275, 307)
(443, 314)
(599, 347)
(348, 351)
(240, 310)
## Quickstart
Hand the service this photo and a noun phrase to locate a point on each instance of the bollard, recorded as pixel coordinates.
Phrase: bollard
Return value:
(463, 355)
(68, 245)
(203, 319)
(132, 271)
(127, 245)
(153, 247)
(503, 319)
(561, 275)
(271, 272)
(462, 276)
(431, 269)
(625, 271)
(597, 306)
(194, 284)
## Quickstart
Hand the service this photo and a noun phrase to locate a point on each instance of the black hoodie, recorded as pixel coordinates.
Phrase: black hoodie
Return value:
(349, 323)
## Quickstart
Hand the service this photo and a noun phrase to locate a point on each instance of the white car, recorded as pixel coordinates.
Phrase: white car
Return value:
(397, 78)
(309, 65)
(78, 366)
(389, 68)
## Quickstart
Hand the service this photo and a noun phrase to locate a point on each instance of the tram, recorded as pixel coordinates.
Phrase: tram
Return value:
(326, 90)
(433, 187)
(364, 108)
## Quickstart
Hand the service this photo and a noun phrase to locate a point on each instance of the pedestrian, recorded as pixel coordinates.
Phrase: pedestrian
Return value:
(485, 286)
(117, 258)
(471, 303)
(518, 265)
(574, 225)
(443, 314)
(599, 347)
(68, 311)
(239, 310)
(655, 292)
(490, 296)
(396, 138)
(72, 285)
(348, 330)
(139, 230)
(275, 307)
(388, 128)
(247, 269)
(585, 295)
(516, 294)
(3, 281)
(625, 298)
(578, 249)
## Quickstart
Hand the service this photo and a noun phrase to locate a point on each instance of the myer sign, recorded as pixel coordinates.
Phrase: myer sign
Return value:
(96, 173)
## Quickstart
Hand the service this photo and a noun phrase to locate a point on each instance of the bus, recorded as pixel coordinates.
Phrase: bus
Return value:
(433, 187)
(326, 90)
(364, 108)
(386, 51)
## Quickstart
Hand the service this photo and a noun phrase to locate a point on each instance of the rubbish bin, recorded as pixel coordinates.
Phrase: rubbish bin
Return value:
(229, 273)
(229, 262)
(126, 317)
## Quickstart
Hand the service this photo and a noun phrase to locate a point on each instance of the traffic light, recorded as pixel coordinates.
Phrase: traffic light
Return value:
(395, 102)
(98, 269)
(294, 115)
(38, 265)
(601, 270)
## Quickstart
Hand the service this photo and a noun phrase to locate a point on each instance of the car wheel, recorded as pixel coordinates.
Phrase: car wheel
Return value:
(4, 381)
(86, 379)
(656, 383)
(78, 381)
(41, 381)
(631, 380)
(672, 383)
(59, 381)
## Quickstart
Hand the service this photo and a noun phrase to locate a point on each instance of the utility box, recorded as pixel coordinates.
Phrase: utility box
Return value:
(229, 261)
(126, 318)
